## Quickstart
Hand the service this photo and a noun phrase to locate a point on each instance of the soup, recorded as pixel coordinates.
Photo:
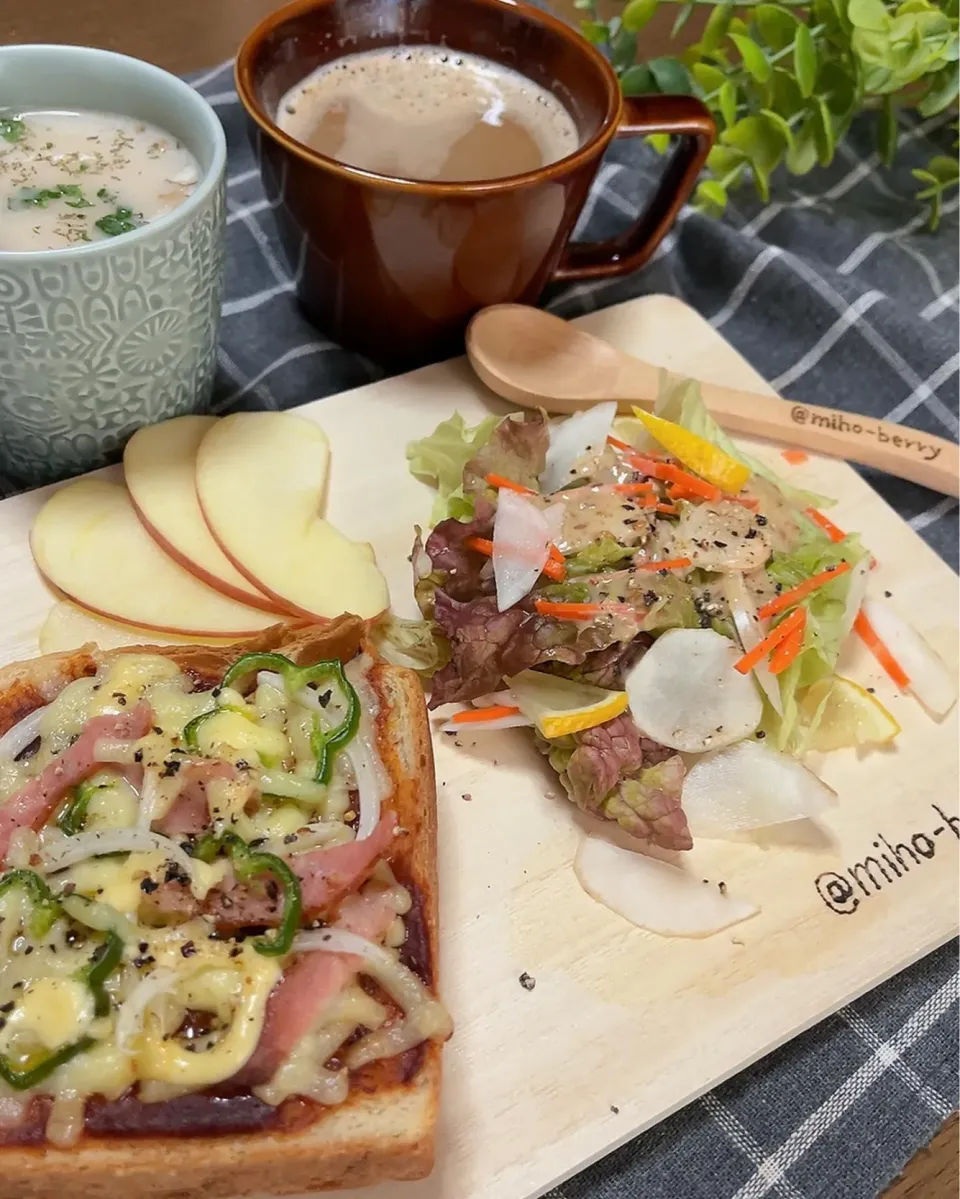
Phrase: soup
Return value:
(67, 178)
(425, 112)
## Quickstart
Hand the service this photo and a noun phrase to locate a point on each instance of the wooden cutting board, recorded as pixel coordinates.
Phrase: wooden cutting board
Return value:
(624, 1027)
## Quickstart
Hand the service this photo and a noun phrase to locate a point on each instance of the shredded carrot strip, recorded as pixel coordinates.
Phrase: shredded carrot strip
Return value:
(554, 568)
(676, 491)
(832, 531)
(666, 564)
(788, 598)
(753, 657)
(633, 488)
(868, 635)
(480, 715)
(500, 481)
(668, 509)
(567, 611)
(748, 501)
(669, 473)
(794, 457)
(789, 648)
(630, 449)
(586, 611)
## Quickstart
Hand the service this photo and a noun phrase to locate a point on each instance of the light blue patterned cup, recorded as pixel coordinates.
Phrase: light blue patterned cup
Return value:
(97, 340)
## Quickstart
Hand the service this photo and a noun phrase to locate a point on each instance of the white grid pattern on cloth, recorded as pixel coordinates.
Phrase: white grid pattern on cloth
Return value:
(802, 1139)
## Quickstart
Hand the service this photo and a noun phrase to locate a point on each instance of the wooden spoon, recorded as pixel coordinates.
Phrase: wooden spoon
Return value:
(539, 361)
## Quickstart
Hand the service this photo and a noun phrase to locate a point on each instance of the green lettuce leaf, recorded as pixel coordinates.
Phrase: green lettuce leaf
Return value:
(411, 643)
(828, 619)
(680, 401)
(605, 554)
(440, 458)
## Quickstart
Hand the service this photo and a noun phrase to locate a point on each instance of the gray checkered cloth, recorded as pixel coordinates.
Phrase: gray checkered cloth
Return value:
(839, 296)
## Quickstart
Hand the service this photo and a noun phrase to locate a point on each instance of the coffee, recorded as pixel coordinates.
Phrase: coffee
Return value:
(428, 113)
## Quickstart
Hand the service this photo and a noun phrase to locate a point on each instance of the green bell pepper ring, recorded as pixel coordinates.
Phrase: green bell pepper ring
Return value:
(249, 864)
(23, 1080)
(105, 960)
(45, 911)
(324, 743)
(73, 815)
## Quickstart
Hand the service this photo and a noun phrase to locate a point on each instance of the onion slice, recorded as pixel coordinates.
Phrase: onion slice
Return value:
(130, 1016)
(751, 630)
(150, 798)
(749, 786)
(654, 895)
(685, 693)
(521, 546)
(582, 434)
(71, 850)
(362, 753)
(929, 679)
(14, 741)
(425, 1017)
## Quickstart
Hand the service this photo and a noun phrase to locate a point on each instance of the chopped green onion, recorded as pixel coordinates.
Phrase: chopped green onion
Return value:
(12, 129)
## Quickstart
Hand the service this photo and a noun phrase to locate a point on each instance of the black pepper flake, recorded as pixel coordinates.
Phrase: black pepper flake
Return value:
(236, 951)
(722, 888)
(871, 690)
(243, 764)
(188, 949)
(750, 533)
(143, 946)
(467, 796)
(170, 768)
(273, 889)
(760, 519)
(721, 545)
(527, 981)
(760, 734)
(216, 692)
(6, 1007)
(18, 986)
(146, 959)
(614, 1109)
(138, 755)
(158, 730)
(450, 732)
(888, 594)
(650, 597)
(289, 838)
(663, 573)
(120, 698)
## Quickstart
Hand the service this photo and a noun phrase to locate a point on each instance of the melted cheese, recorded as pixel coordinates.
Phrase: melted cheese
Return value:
(116, 881)
(50, 1012)
(167, 1060)
(256, 742)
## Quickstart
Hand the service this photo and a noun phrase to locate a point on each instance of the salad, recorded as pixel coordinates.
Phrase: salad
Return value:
(662, 610)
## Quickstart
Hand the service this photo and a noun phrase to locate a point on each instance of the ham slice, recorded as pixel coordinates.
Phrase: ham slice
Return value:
(33, 805)
(311, 983)
(326, 876)
(189, 814)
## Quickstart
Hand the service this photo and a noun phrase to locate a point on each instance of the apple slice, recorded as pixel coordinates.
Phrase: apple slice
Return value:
(260, 479)
(88, 542)
(68, 627)
(159, 465)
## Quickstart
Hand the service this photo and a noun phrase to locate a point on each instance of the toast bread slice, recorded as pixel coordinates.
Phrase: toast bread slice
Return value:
(385, 1129)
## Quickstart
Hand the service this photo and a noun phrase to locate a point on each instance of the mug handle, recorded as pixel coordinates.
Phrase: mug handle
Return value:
(643, 115)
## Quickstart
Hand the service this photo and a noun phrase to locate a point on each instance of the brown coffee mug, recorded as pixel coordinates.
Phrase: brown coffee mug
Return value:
(395, 268)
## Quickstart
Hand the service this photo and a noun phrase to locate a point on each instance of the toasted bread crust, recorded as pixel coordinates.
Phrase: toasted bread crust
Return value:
(385, 1130)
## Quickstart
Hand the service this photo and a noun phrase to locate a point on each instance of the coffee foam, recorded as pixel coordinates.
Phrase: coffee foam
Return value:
(428, 87)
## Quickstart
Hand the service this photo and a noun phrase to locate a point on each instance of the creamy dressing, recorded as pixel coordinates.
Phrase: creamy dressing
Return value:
(68, 178)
